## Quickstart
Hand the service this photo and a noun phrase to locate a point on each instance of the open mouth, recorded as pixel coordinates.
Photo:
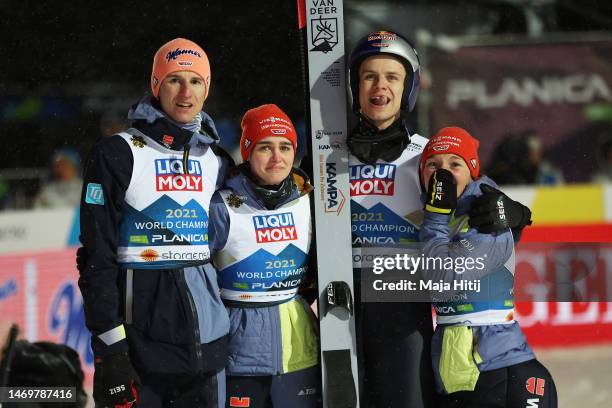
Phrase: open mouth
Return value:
(380, 100)
(184, 105)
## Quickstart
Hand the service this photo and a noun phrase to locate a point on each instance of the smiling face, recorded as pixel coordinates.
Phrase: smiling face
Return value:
(381, 85)
(271, 160)
(451, 162)
(182, 95)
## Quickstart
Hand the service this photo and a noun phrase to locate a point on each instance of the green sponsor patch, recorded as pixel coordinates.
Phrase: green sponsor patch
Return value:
(508, 303)
(465, 308)
(239, 285)
(139, 239)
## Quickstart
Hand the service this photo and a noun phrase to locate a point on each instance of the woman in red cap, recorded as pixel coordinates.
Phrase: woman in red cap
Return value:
(480, 355)
(159, 329)
(260, 228)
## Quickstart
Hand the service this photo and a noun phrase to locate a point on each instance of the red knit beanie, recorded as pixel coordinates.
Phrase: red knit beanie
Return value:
(261, 122)
(453, 140)
(179, 55)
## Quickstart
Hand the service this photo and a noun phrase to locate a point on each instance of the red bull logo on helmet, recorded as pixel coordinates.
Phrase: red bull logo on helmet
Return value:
(372, 179)
(274, 228)
(170, 175)
(382, 35)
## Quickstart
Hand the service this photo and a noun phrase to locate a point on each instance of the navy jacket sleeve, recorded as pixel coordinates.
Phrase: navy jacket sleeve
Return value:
(225, 164)
(218, 224)
(108, 170)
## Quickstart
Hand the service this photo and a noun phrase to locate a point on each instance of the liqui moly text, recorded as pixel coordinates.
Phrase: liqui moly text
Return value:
(170, 175)
(274, 228)
(372, 179)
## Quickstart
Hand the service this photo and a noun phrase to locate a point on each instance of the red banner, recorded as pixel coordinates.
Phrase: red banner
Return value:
(39, 292)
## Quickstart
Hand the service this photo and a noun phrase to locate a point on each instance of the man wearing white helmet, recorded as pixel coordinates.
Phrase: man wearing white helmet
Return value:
(384, 76)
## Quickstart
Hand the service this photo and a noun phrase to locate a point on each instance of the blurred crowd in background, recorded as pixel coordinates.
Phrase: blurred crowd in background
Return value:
(71, 78)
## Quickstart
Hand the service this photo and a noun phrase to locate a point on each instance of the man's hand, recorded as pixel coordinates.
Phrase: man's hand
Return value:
(441, 192)
(115, 382)
(494, 211)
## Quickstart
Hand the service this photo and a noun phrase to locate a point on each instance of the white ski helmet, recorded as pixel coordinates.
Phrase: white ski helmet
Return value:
(389, 43)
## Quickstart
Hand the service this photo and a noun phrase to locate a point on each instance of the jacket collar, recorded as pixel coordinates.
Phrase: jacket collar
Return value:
(148, 119)
(238, 182)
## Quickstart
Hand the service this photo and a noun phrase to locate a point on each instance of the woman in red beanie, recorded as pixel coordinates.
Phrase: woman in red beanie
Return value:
(260, 228)
(479, 353)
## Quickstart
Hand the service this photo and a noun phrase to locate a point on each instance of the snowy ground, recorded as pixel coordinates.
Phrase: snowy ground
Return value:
(583, 375)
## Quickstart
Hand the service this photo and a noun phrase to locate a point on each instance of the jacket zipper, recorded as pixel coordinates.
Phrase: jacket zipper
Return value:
(194, 313)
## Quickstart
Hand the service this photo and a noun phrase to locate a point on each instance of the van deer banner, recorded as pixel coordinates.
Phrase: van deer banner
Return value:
(563, 91)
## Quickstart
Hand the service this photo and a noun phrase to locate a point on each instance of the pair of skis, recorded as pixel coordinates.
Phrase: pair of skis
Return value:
(321, 27)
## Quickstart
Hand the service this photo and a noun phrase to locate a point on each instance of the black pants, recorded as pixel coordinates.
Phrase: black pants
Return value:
(161, 391)
(298, 389)
(395, 345)
(527, 384)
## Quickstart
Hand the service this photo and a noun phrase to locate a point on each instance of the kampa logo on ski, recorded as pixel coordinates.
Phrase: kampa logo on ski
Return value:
(333, 196)
(378, 179)
(171, 176)
(274, 228)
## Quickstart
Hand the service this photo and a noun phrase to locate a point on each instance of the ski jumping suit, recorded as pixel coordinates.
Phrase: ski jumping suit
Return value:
(146, 290)
(262, 258)
(480, 356)
(386, 210)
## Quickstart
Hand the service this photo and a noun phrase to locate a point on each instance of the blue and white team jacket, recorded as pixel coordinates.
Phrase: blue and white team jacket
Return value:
(476, 325)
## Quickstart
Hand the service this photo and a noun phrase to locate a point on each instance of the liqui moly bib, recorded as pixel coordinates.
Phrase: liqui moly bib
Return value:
(386, 208)
(165, 220)
(265, 257)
